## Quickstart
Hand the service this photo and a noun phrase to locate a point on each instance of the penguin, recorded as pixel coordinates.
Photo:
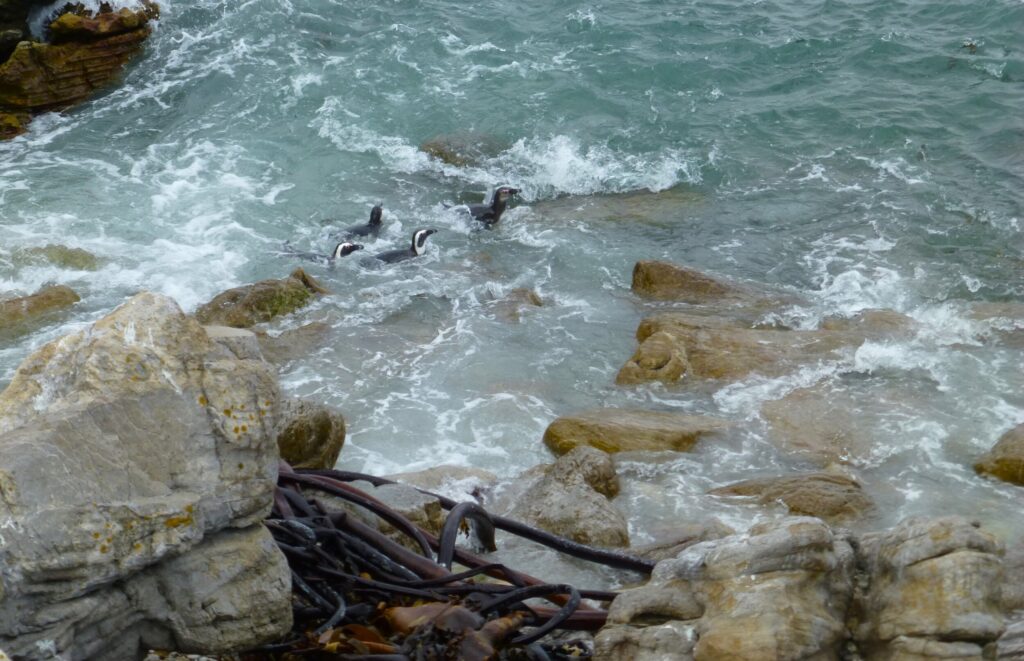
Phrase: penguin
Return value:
(370, 229)
(490, 214)
(343, 249)
(419, 244)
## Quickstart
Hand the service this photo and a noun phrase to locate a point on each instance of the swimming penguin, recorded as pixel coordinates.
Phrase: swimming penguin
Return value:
(372, 228)
(419, 244)
(489, 214)
(343, 249)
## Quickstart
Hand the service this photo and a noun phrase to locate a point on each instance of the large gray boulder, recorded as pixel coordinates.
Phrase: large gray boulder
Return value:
(125, 449)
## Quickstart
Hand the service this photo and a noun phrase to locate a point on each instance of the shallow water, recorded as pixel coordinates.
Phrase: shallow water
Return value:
(854, 154)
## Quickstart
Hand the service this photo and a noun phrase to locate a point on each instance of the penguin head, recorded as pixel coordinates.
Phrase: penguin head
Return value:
(375, 214)
(504, 192)
(345, 248)
(419, 240)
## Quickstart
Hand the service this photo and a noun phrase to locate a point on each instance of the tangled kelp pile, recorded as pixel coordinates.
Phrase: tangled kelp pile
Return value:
(360, 594)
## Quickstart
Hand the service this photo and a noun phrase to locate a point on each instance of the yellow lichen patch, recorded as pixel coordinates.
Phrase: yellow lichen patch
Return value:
(227, 412)
(235, 429)
(95, 535)
(241, 465)
(137, 546)
(241, 407)
(104, 548)
(203, 401)
(245, 429)
(183, 520)
(252, 417)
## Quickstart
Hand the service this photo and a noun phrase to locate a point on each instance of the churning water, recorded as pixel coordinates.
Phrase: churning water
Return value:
(858, 154)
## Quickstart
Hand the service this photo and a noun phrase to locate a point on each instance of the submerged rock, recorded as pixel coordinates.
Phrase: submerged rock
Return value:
(461, 149)
(627, 430)
(681, 537)
(294, 343)
(566, 499)
(58, 255)
(247, 305)
(834, 498)
(510, 307)
(663, 207)
(818, 424)
(310, 435)
(717, 348)
(663, 281)
(123, 448)
(20, 313)
(932, 591)
(1005, 460)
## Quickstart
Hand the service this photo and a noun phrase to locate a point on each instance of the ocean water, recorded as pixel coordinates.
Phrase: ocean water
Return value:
(853, 155)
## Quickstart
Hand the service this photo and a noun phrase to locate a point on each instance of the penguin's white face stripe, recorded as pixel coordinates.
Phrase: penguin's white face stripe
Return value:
(344, 249)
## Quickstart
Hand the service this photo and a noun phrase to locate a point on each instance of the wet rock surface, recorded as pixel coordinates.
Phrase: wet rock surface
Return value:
(829, 496)
(19, 314)
(463, 148)
(58, 255)
(624, 430)
(1005, 460)
(260, 302)
(569, 498)
(819, 425)
(142, 416)
(310, 435)
(663, 281)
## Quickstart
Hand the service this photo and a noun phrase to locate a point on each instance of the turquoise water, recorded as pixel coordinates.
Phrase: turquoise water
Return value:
(853, 154)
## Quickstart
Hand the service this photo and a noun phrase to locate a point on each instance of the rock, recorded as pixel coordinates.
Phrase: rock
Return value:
(667, 282)
(511, 306)
(778, 592)
(1013, 569)
(563, 500)
(461, 149)
(928, 580)
(18, 313)
(622, 430)
(661, 357)
(829, 496)
(70, 258)
(245, 306)
(241, 343)
(85, 27)
(658, 208)
(39, 77)
(163, 441)
(294, 343)
(461, 479)
(715, 348)
(13, 124)
(1006, 459)
(818, 424)
(681, 537)
(1004, 321)
(872, 321)
(1011, 643)
(423, 510)
(310, 435)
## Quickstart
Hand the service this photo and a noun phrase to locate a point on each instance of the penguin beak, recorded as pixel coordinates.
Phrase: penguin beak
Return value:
(357, 246)
(431, 231)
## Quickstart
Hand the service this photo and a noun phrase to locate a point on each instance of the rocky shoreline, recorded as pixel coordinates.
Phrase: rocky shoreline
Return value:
(166, 429)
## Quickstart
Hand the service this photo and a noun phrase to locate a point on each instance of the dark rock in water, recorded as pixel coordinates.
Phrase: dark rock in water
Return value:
(668, 282)
(829, 496)
(461, 149)
(245, 306)
(624, 430)
(310, 435)
(1006, 459)
(20, 313)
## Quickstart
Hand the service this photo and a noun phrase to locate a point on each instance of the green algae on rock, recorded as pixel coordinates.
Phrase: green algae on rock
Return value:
(259, 302)
(76, 259)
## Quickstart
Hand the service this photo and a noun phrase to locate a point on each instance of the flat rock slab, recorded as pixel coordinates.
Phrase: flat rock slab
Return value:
(663, 281)
(828, 496)
(624, 430)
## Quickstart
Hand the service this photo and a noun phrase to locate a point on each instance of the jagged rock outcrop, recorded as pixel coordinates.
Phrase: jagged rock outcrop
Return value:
(624, 430)
(124, 448)
(261, 301)
(86, 53)
(1006, 459)
(932, 591)
(779, 592)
